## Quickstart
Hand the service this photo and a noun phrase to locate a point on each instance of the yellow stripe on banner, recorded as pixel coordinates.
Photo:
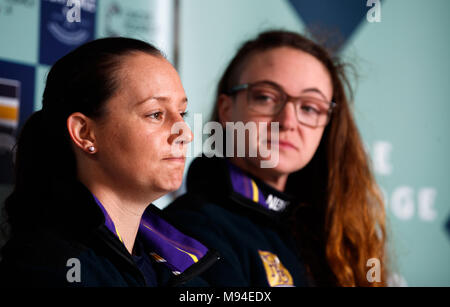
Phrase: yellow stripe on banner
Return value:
(255, 192)
(7, 112)
(191, 255)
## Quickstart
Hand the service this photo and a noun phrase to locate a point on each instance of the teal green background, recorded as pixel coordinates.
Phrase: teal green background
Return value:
(401, 98)
(19, 31)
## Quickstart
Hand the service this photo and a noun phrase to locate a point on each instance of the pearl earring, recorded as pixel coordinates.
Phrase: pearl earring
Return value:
(91, 148)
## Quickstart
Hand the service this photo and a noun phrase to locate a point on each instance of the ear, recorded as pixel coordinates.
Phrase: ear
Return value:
(225, 108)
(81, 132)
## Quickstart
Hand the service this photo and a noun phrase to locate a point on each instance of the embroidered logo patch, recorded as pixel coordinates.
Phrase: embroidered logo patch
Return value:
(275, 203)
(277, 274)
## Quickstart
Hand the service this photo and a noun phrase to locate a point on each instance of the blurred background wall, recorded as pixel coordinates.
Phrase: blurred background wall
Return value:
(399, 49)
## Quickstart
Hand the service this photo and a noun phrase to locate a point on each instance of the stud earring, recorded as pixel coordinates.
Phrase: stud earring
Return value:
(91, 148)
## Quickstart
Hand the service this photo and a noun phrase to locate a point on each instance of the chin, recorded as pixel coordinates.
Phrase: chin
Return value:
(286, 166)
(172, 185)
(284, 170)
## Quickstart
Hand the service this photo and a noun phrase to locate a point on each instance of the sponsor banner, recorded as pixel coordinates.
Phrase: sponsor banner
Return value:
(60, 32)
(16, 93)
(148, 20)
(16, 104)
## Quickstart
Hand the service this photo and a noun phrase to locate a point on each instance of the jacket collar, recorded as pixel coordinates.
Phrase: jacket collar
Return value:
(74, 210)
(164, 242)
(218, 179)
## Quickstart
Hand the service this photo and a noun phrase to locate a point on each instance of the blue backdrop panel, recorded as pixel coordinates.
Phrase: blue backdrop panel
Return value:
(337, 20)
(58, 36)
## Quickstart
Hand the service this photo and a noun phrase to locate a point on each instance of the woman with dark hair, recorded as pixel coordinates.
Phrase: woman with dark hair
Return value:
(87, 167)
(315, 217)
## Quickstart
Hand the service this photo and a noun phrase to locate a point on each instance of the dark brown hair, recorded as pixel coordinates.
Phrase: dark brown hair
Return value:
(81, 81)
(340, 223)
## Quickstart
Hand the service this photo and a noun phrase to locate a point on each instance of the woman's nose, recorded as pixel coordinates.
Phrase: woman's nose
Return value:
(287, 117)
(180, 133)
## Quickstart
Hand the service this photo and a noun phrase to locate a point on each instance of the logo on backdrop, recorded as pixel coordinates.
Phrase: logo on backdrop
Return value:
(59, 34)
(16, 104)
(9, 113)
(404, 201)
(9, 120)
(7, 8)
(128, 21)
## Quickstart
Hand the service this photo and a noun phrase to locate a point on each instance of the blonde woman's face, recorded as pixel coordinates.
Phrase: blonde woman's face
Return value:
(299, 74)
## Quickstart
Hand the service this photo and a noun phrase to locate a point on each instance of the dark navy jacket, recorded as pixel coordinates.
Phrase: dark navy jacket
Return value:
(71, 233)
(228, 211)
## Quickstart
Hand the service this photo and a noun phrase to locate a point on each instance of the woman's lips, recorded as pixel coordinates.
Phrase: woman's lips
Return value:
(287, 144)
(175, 159)
(284, 144)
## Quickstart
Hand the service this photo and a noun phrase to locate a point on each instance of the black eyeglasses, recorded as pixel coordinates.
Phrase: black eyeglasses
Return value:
(269, 98)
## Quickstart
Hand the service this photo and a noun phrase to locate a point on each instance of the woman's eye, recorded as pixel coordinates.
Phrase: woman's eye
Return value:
(262, 98)
(310, 109)
(155, 115)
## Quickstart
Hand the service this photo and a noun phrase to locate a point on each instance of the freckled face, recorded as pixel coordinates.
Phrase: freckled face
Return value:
(135, 144)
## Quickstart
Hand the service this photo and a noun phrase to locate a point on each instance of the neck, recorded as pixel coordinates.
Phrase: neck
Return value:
(124, 205)
(125, 214)
(276, 181)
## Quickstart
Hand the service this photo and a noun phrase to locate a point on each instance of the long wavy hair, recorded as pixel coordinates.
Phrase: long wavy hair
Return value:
(340, 222)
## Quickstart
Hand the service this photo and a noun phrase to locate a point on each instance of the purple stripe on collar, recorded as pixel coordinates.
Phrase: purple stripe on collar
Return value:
(243, 185)
(179, 250)
(108, 221)
(166, 243)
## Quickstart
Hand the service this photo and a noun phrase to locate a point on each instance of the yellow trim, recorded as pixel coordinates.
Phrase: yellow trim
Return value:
(7, 112)
(190, 255)
(118, 234)
(255, 191)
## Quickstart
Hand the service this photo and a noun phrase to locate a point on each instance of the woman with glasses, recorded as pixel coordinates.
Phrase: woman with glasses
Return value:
(312, 217)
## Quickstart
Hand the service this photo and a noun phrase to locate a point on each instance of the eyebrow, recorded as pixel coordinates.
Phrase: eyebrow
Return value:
(161, 99)
(307, 90)
(315, 90)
